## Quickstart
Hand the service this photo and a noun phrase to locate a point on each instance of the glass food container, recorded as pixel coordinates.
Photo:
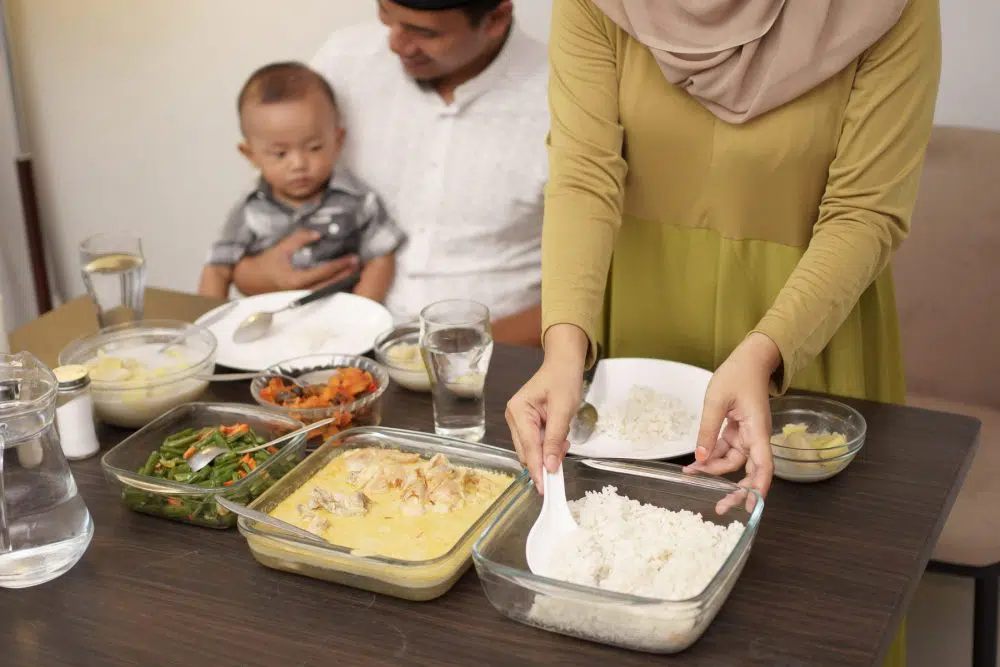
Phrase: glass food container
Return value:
(410, 580)
(176, 376)
(619, 619)
(188, 503)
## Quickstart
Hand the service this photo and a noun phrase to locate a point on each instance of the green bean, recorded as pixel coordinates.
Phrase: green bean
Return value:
(183, 435)
(150, 462)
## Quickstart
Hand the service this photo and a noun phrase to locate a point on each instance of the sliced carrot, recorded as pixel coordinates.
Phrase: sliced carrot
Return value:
(272, 450)
(174, 501)
(189, 453)
(228, 482)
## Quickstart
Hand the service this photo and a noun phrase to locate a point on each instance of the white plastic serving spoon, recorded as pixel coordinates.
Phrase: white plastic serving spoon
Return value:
(553, 525)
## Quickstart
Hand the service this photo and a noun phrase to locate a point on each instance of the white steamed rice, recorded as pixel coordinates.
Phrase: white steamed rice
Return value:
(644, 550)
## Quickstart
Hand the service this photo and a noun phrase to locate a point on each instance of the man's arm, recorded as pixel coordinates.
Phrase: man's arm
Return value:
(523, 328)
(272, 270)
(215, 281)
(376, 278)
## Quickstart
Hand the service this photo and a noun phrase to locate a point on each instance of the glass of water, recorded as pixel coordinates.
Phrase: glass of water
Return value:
(114, 272)
(456, 342)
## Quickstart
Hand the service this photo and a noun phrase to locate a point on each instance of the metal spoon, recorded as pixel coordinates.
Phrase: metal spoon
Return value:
(204, 456)
(233, 377)
(207, 322)
(256, 326)
(277, 524)
(585, 420)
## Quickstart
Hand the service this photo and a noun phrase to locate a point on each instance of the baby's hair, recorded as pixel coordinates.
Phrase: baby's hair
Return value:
(282, 82)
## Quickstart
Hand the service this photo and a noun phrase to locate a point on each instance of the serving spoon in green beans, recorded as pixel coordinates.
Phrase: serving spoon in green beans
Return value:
(206, 455)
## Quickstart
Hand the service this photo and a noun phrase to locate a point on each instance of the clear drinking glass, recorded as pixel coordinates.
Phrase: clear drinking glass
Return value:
(45, 527)
(456, 342)
(114, 272)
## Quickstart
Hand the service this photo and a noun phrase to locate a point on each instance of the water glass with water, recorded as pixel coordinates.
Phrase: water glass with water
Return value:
(114, 272)
(456, 342)
(45, 527)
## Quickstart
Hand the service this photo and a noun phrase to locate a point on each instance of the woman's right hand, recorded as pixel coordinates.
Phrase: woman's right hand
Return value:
(539, 415)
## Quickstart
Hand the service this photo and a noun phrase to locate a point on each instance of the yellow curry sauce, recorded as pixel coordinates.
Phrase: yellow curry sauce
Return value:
(392, 503)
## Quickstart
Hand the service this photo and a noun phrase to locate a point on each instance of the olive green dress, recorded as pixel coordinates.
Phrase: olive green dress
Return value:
(784, 225)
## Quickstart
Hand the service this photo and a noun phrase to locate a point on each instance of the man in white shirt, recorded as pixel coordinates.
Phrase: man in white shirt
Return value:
(445, 105)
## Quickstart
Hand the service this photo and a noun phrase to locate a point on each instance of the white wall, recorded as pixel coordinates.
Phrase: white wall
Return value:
(16, 286)
(131, 107)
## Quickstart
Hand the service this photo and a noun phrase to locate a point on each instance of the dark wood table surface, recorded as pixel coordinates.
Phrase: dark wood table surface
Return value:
(833, 569)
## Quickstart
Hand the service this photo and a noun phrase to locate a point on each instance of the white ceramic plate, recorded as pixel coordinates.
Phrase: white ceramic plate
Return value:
(613, 381)
(343, 323)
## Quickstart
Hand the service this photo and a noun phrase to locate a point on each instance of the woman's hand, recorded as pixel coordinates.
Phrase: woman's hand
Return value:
(539, 415)
(738, 396)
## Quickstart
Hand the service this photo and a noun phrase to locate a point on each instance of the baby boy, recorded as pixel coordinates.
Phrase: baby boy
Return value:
(292, 134)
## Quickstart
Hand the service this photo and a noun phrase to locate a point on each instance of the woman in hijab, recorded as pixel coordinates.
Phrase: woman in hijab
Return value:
(752, 165)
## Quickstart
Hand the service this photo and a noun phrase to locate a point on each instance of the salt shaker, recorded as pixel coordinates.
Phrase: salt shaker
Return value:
(75, 413)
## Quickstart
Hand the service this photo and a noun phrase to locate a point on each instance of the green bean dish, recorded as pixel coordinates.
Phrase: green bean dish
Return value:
(224, 474)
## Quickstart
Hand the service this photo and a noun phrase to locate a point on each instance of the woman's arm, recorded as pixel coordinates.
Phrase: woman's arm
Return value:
(583, 198)
(871, 189)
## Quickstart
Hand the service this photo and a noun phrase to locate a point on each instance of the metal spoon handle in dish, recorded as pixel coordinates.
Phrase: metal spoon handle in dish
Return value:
(233, 377)
(277, 524)
(255, 326)
(203, 457)
(206, 323)
(585, 420)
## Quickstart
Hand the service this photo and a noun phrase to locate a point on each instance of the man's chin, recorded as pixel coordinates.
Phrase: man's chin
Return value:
(422, 74)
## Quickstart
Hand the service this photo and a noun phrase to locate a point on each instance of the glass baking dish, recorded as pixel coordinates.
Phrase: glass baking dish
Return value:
(628, 621)
(411, 580)
(188, 503)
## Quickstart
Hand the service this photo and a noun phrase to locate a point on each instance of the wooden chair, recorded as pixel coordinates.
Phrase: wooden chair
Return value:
(948, 293)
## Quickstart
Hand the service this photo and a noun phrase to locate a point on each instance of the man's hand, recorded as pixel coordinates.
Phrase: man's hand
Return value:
(272, 270)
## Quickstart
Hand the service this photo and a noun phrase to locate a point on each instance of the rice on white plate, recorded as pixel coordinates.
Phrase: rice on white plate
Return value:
(643, 550)
(646, 417)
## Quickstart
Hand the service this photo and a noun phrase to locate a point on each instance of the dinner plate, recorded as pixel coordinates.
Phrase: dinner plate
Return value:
(343, 323)
(613, 382)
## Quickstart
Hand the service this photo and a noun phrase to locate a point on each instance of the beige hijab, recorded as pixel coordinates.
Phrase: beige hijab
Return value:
(743, 58)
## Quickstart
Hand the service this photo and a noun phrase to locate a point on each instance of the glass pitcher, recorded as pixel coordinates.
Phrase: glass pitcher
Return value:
(44, 525)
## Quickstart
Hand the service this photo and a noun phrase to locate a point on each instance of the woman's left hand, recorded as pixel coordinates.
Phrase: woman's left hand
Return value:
(738, 395)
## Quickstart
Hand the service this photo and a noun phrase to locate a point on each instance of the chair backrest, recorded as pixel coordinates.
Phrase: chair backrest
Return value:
(948, 272)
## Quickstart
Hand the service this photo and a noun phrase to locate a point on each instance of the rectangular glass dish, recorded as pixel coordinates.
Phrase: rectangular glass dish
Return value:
(188, 503)
(628, 621)
(410, 580)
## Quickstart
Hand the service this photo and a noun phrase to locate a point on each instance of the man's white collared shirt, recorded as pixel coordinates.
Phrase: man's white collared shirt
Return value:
(463, 180)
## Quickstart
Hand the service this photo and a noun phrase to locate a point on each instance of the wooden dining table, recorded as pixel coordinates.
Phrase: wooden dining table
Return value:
(833, 569)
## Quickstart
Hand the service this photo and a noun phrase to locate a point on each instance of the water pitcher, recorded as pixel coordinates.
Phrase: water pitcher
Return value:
(44, 525)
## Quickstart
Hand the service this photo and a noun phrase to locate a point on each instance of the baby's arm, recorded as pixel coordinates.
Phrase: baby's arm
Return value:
(376, 278)
(236, 237)
(380, 239)
(215, 281)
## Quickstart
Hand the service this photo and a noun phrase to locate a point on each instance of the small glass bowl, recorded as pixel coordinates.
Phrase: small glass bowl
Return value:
(629, 621)
(316, 369)
(189, 503)
(135, 403)
(414, 379)
(819, 415)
